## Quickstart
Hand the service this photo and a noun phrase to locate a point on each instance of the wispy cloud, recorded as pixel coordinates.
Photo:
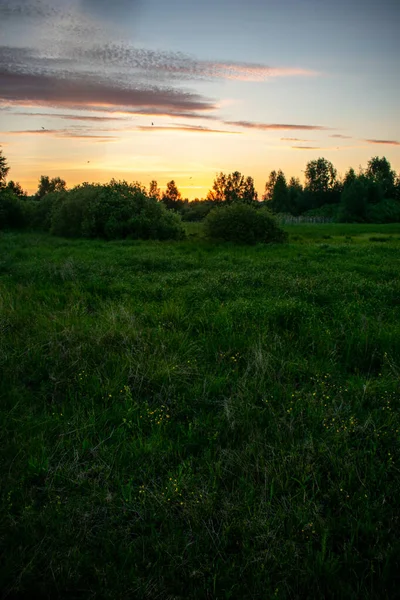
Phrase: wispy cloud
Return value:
(60, 133)
(291, 139)
(317, 148)
(67, 117)
(306, 148)
(160, 112)
(250, 72)
(388, 142)
(342, 137)
(178, 65)
(192, 128)
(276, 126)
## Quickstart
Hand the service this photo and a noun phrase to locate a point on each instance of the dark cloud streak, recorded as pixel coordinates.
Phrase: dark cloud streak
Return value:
(87, 92)
(276, 126)
(387, 142)
(184, 128)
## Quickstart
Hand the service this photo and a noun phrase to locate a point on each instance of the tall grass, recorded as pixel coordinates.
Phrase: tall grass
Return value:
(192, 420)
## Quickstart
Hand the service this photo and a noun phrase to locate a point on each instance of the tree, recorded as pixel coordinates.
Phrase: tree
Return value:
(280, 197)
(172, 197)
(269, 186)
(397, 188)
(249, 194)
(320, 175)
(16, 189)
(154, 190)
(295, 196)
(47, 185)
(349, 177)
(321, 183)
(354, 200)
(4, 168)
(232, 188)
(379, 170)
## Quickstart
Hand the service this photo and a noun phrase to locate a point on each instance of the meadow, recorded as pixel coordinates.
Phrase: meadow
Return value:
(189, 420)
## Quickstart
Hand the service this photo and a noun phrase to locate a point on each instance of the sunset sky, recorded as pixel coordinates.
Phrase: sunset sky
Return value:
(158, 89)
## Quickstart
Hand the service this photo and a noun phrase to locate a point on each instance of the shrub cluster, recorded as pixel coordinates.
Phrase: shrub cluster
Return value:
(243, 224)
(116, 210)
(11, 210)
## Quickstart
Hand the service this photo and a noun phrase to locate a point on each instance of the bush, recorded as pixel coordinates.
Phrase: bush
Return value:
(327, 211)
(40, 212)
(69, 216)
(243, 224)
(196, 210)
(114, 211)
(356, 199)
(11, 211)
(387, 211)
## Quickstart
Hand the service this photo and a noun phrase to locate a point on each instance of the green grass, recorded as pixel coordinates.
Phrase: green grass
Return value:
(190, 420)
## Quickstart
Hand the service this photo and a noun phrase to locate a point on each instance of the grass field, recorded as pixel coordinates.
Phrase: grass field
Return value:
(197, 421)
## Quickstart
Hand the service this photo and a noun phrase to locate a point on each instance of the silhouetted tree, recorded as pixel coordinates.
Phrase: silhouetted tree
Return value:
(4, 168)
(321, 183)
(233, 188)
(172, 197)
(47, 185)
(379, 170)
(16, 189)
(320, 175)
(349, 177)
(295, 195)
(269, 186)
(154, 190)
(280, 198)
(397, 188)
(354, 200)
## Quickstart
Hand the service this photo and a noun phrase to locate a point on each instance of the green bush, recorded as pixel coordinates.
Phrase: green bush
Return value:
(39, 213)
(243, 224)
(387, 211)
(70, 216)
(328, 211)
(114, 211)
(357, 198)
(11, 211)
(196, 210)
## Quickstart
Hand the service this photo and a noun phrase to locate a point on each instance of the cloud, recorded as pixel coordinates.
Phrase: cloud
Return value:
(291, 139)
(71, 117)
(307, 148)
(192, 128)
(89, 92)
(342, 137)
(317, 148)
(28, 9)
(276, 126)
(178, 65)
(60, 133)
(388, 142)
(71, 60)
(156, 112)
(250, 72)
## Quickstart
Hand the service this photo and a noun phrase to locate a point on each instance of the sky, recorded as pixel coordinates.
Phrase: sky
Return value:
(154, 89)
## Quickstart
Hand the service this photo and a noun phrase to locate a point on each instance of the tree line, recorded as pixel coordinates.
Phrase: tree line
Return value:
(370, 195)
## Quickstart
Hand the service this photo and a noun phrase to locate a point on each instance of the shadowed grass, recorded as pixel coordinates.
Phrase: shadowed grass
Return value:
(191, 420)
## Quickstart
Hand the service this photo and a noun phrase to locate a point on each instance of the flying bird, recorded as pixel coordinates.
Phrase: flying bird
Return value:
(43, 129)
(152, 123)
